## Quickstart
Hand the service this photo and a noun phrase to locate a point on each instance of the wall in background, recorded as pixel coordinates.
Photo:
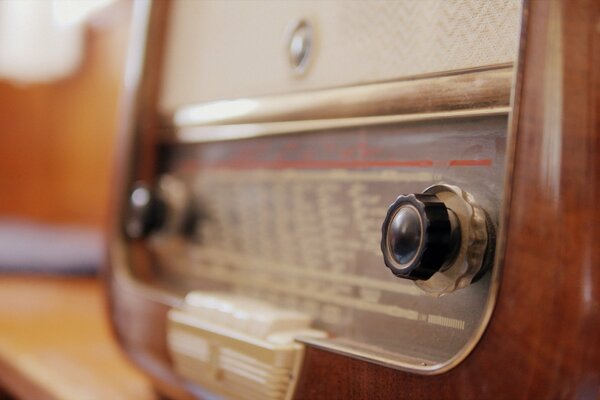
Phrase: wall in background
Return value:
(57, 139)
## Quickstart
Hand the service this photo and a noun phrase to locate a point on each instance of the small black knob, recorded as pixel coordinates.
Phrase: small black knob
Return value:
(419, 236)
(146, 212)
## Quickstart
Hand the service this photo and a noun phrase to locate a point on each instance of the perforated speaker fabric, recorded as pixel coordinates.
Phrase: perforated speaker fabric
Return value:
(231, 49)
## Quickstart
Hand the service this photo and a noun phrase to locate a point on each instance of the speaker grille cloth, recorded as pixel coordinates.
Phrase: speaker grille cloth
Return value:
(230, 49)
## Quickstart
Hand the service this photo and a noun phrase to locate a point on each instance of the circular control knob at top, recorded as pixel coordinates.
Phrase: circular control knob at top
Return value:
(420, 236)
(441, 239)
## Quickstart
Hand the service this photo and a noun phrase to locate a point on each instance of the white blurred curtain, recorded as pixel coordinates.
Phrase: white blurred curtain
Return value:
(42, 40)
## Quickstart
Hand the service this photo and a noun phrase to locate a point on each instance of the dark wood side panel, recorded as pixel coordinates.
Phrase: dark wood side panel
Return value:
(543, 341)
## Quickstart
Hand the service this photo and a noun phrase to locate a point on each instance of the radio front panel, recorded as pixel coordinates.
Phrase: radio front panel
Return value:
(275, 199)
(295, 220)
(301, 179)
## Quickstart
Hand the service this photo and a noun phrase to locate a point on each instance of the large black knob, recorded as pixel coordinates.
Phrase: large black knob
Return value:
(420, 236)
(146, 212)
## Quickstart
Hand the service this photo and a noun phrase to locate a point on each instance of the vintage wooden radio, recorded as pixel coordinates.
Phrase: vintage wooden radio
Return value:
(361, 199)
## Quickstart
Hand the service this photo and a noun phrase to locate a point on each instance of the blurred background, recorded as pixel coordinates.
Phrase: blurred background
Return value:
(61, 75)
(61, 72)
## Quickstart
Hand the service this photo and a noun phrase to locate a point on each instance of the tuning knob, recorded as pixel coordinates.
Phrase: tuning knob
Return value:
(167, 208)
(421, 236)
(439, 238)
(146, 212)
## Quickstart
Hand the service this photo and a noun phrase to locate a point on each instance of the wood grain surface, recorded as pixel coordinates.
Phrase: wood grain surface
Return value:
(55, 343)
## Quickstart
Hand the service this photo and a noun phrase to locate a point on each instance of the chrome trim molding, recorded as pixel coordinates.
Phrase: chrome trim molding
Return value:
(214, 133)
(480, 91)
(469, 90)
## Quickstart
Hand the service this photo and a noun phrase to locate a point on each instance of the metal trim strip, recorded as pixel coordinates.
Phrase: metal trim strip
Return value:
(469, 94)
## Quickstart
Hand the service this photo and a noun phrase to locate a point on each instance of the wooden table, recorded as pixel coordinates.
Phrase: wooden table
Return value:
(55, 343)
